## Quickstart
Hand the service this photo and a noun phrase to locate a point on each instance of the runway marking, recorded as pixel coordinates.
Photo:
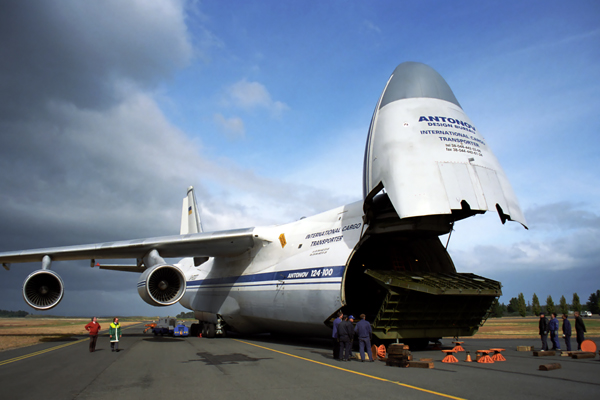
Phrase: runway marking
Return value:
(41, 352)
(355, 372)
(37, 353)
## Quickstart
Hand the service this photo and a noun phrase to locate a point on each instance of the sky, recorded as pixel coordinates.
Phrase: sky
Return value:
(110, 109)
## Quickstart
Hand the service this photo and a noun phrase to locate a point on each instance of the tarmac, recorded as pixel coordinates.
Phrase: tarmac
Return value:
(267, 367)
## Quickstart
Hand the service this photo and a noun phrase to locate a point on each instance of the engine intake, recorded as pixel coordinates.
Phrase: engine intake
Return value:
(43, 289)
(162, 285)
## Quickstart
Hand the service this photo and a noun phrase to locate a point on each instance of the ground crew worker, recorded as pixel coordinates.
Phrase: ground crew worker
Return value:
(334, 336)
(580, 329)
(351, 319)
(566, 328)
(543, 325)
(553, 328)
(346, 334)
(364, 331)
(115, 334)
(93, 327)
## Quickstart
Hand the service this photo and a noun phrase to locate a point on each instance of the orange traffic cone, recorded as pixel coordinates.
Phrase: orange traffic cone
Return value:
(468, 357)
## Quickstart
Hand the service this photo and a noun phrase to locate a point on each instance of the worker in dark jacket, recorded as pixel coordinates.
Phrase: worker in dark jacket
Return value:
(334, 336)
(351, 320)
(566, 327)
(544, 331)
(346, 334)
(553, 328)
(364, 332)
(580, 329)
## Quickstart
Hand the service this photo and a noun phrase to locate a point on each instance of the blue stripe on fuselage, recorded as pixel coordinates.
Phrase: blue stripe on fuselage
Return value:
(293, 277)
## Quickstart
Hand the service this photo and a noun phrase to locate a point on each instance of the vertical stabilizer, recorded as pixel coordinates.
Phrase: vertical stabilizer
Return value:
(190, 218)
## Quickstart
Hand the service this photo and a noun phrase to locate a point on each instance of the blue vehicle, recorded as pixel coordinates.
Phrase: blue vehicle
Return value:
(171, 327)
(181, 330)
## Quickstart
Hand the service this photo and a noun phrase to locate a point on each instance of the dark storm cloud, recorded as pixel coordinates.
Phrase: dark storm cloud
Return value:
(86, 155)
(75, 124)
(81, 52)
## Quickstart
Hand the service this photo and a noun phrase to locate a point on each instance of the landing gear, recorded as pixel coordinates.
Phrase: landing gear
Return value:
(208, 329)
(195, 330)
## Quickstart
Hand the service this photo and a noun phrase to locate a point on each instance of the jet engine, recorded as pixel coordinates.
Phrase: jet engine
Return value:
(162, 285)
(43, 289)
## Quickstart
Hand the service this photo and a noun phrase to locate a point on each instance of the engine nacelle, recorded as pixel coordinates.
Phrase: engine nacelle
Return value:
(162, 285)
(43, 289)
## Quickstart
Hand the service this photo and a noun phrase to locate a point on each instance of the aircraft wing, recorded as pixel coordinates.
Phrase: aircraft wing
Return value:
(209, 244)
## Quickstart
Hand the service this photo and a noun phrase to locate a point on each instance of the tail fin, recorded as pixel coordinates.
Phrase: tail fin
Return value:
(190, 219)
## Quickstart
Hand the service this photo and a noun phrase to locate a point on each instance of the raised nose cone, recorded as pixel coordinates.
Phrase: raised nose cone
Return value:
(424, 152)
(415, 80)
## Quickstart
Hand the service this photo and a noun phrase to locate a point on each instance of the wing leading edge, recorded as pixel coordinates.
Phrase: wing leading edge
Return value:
(210, 244)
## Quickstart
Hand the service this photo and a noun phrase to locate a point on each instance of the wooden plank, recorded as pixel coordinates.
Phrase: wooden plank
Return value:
(426, 359)
(420, 364)
(395, 362)
(525, 348)
(583, 355)
(544, 353)
(395, 347)
(550, 367)
(399, 353)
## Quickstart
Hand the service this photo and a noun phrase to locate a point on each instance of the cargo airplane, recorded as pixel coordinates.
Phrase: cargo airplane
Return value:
(426, 166)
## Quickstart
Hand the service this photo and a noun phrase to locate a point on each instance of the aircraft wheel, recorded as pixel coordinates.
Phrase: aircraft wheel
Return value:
(194, 330)
(204, 330)
(210, 331)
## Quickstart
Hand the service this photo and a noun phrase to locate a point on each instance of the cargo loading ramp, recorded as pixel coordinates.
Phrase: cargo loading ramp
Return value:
(432, 304)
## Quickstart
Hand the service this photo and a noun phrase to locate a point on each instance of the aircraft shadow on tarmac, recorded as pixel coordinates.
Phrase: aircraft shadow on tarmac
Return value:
(228, 359)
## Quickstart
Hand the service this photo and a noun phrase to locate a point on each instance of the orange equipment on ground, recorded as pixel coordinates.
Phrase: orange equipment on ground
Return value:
(484, 357)
(588, 346)
(497, 356)
(458, 346)
(449, 356)
(468, 357)
(381, 353)
(149, 326)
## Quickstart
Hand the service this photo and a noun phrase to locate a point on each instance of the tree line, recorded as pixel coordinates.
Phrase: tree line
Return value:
(184, 315)
(13, 314)
(517, 305)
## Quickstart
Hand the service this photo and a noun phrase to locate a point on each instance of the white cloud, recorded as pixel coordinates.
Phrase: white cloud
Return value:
(251, 95)
(232, 127)
(371, 26)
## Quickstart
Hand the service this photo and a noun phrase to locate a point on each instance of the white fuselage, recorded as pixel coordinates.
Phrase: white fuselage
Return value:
(293, 283)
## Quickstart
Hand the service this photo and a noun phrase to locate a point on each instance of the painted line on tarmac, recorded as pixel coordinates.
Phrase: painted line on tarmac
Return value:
(355, 372)
(40, 352)
(37, 353)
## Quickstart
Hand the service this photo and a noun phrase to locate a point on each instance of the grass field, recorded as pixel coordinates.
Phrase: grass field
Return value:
(20, 332)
